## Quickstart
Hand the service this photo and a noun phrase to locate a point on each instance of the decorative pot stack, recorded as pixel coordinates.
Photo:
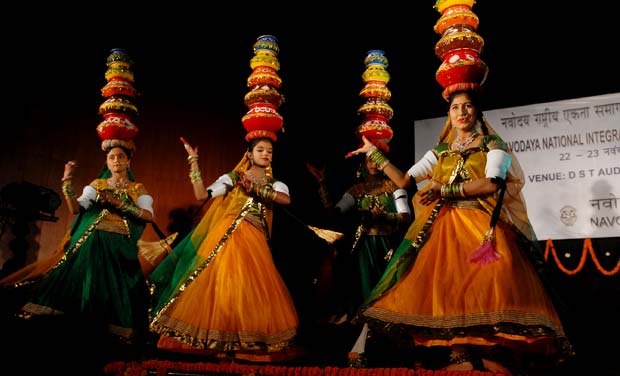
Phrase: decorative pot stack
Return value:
(459, 47)
(118, 110)
(263, 100)
(376, 112)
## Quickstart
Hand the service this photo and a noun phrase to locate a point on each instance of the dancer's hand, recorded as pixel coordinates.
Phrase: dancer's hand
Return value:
(104, 198)
(247, 183)
(192, 152)
(432, 194)
(362, 149)
(70, 168)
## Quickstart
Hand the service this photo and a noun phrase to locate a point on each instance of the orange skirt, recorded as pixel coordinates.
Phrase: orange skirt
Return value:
(443, 292)
(238, 303)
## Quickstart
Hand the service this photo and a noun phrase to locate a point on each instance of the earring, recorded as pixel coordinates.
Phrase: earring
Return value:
(268, 171)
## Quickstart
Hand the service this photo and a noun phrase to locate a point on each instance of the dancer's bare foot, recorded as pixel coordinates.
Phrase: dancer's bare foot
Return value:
(496, 367)
(463, 366)
(459, 359)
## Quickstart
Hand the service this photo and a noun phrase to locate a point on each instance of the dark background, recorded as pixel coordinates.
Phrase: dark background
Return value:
(191, 59)
(537, 51)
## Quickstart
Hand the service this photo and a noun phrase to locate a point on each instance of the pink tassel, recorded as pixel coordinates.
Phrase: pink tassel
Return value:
(485, 254)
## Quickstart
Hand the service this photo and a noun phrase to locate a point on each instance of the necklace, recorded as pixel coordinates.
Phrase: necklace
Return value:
(118, 184)
(373, 183)
(255, 180)
(462, 145)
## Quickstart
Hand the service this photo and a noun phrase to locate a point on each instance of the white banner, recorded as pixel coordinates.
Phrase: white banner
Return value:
(570, 153)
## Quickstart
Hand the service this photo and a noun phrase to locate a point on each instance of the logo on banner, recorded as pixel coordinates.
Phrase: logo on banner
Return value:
(568, 215)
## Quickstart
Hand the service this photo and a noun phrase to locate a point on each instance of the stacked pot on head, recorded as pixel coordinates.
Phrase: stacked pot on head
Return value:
(459, 47)
(376, 112)
(118, 110)
(263, 99)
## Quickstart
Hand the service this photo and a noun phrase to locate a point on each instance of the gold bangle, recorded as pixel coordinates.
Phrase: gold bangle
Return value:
(67, 189)
(130, 209)
(267, 193)
(195, 176)
(192, 158)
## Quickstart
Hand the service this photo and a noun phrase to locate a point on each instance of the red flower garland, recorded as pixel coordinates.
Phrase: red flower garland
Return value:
(161, 367)
(587, 249)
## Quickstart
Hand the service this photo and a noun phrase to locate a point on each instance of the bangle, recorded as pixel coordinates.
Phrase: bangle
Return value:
(128, 208)
(452, 190)
(195, 176)
(134, 210)
(267, 193)
(462, 189)
(378, 157)
(67, 189)
(192, 158)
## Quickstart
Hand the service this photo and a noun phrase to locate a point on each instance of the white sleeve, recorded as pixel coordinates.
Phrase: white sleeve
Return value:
(145, 202)
(278, 186)
(88, 197)
(424, 166)
(346, 203)
(220, 186)
(400, 200)
(498, 162)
